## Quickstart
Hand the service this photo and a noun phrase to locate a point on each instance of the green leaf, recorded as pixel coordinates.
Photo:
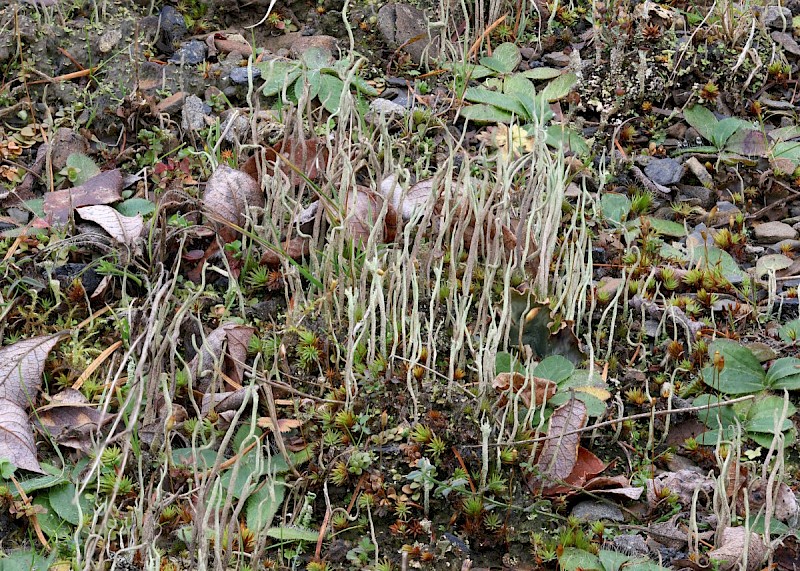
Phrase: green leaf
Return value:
(277, 75)
(667, 227)
(702, 120)
(286, 533)
(503, 363)
(717, 416)
(52, 525)
(594, 406)
(554, 368)
(262, 506)
(713, 257)
(790, 332)
(722, 130)
(787, 150)
(765, 440)
(63, 501)
(566, 138)
(559, 87)
(613, 560)
(201, 459)
(312, 79)
(362, 86)
(496, 99)
(330, 92)
(741, 373)
(747, 142)
(24, 561)
(134, 206)
(316, 58)
(39, 483)
(504, 59)
(486, 114)
(784, 374)
(515, 84)
(467, 70)
(615, 206)
(84, 166)
(573, 559)
(540, 73)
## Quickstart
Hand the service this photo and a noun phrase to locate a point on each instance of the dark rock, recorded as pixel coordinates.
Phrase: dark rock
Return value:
(528, 53)
(699, 195)
(173, 30)
(630, 544)
(778, 17)
(771, 232)
(664, 171)
(190, 53)
(401, 23)
(240, 75)
(69, 272)
(595, 511)
(194, 113)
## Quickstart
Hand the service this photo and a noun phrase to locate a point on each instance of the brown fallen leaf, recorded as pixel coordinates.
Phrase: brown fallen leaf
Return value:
(560, 452)
(228, 195)
(21, 368)
(284, 424)
(124, 229)
(71, 419)
(732, 549)
(362, 210)
(224, 350)
(310, 157)
(541, 389)
(103, 188)
(587, 466)
(294, 248)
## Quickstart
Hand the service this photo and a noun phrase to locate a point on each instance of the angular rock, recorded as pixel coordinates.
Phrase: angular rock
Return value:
(776, 16)
(190, 53)
(771, 232)
(241, 75)
(173, 29)
(664, 171)
(699, 195)
(194, 113)
(400, 23)
(595, 511)
(303, 43)
(630, 544)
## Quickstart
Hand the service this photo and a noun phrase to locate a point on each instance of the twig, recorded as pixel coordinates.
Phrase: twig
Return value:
(632, 417)
(95, 364)
(483, 36)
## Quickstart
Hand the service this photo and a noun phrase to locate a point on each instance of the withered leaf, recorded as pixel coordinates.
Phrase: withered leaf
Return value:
(124, 229)
(21, 368)
(362, 209)
(310, 157)
(560, 451)
(732, 550)
(541, 389)
(225, 350)
(103, 188)
(228, 195)
(71, 419)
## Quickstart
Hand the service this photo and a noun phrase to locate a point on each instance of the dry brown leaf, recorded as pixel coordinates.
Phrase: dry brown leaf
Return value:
(310, 157)
(683, 483)
(587, 466)
(294, 248)
(541, 389)
(71, 420)
(732, 550)
(362, 210)
(228, 195)
(284, 424)
(224, 402)
(124, 229)
(409, 203)
(224, 349)
(21, 368)
(560, 452)
(103, 188)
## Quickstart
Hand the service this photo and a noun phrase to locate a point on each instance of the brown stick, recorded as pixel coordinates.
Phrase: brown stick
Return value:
(483, 36)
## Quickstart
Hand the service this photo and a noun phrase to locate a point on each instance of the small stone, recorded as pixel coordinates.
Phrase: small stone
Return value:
(630, 544)
(664, 171)
(528, 53)
(778, 17)
(190, 53)
(783, 245)
(722, 214)
(172, 103)
(787, 41)
(240, 75)
(382, 106)
(173, 29)
(109, 40)
(559, 59)
(301, 44)
(595, 511)
(699, 195)
(194, 113)
(404, 25)
(771, 232)
(235, 126)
